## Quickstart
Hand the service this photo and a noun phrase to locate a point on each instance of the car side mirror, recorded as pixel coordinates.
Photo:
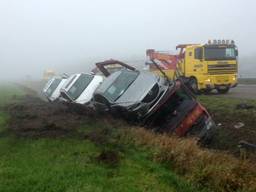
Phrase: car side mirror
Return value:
(236, 52)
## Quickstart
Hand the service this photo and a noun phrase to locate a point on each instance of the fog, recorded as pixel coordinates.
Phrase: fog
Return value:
(66, 35)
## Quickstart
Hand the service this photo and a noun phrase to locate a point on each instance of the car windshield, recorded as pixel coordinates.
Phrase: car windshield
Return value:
(120, 84)
(79, 86)
(70, 81)
(52, 87)
(219, 53)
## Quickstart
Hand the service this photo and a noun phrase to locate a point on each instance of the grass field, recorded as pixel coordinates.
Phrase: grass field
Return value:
(109, 155)
(71, 165)
(75, 164)
(222, 166)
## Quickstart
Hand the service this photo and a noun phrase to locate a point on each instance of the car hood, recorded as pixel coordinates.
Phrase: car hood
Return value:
(138, 89)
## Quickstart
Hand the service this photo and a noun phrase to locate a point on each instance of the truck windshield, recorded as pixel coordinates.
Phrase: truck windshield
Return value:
(79, 86)
(120, 84)
(52, 87)
(219, 53)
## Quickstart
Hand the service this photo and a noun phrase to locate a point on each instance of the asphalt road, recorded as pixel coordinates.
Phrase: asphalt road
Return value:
(241, 91)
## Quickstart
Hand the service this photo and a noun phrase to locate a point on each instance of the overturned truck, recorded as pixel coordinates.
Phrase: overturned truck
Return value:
(153, 101)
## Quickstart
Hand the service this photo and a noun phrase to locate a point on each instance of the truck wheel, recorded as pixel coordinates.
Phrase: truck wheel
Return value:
(193, 85)
(207, 91)
(223, 91)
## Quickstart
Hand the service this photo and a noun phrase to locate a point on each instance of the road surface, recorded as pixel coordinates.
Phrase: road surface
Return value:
(241, 91)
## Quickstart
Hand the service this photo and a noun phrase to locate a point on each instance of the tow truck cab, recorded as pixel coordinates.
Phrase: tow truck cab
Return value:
(209, 66)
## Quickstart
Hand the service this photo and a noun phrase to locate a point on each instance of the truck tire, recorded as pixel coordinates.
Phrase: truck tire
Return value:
(223, 91)
(207, 91)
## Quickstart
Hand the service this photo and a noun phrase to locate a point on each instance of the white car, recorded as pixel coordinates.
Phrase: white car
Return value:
(52, 88)
(80, 87)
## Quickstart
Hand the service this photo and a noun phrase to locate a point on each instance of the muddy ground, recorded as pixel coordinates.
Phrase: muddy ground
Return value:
(32, 117)
(233, 131)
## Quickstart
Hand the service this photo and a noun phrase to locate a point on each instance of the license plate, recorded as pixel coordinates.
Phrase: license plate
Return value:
(222, 79)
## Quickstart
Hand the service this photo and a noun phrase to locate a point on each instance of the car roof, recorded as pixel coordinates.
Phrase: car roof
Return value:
(141, 85)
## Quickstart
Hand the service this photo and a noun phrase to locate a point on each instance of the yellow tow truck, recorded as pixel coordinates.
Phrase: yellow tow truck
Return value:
(209, 66)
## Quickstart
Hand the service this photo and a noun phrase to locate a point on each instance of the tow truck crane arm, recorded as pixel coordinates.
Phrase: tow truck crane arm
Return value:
(102, 66)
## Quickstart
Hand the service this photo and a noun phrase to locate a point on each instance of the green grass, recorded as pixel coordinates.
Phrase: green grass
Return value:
(72, 164)
(224, 108)
(8, 92)
(223, 105)
(3, 121)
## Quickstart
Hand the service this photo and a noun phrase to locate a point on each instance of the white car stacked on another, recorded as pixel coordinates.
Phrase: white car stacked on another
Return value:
(79, 88)
(52, 88)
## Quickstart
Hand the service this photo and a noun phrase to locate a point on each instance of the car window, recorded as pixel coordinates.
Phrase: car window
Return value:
(79, 86)
(120, 84)
(71, 80)
(52, 87)
(220, 53)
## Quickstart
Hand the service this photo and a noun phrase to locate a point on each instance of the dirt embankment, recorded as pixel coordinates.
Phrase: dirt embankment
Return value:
(36, 118)
(33, 117)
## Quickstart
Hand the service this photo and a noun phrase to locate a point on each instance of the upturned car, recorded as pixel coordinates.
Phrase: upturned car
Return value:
(79, 88)
(52, 88)
(154, 101)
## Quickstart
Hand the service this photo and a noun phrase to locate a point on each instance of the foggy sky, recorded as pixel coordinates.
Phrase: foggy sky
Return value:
(61, 34)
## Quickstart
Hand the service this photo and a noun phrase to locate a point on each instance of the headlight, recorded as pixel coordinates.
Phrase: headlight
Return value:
(208, 80)
(209, 124)
(234, 78)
